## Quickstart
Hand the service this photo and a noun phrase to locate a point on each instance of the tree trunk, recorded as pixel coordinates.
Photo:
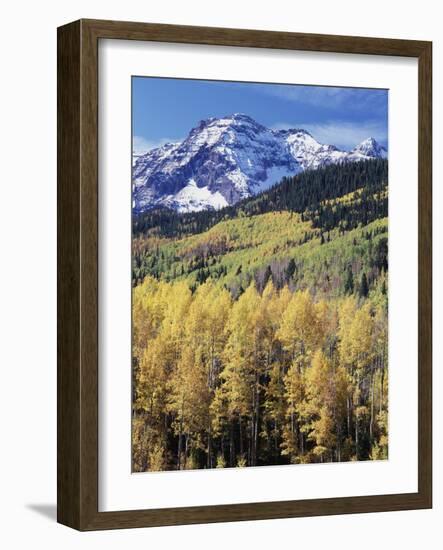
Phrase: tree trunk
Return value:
(241, 435)
(371, 422)
(356, 435)
(348, 415)
(356, 416)
(256, 419)
(302, 442)
(179, 452)
(209, 461)
(381, 386)
(276, 438)
(186, 451)
(231, 445)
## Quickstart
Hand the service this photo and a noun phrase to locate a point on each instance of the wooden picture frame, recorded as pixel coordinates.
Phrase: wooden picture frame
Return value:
(78, 244)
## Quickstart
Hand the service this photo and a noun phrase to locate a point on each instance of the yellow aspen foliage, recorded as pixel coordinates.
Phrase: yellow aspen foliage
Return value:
(298, 330)
(275, 377)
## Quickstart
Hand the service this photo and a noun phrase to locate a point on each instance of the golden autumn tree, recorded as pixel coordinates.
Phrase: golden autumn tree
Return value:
(325, 405)
(299, 334)
(356, 354)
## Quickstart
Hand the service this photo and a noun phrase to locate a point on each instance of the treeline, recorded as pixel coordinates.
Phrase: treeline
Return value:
(276, 377)
(368, 204)
(303, 192)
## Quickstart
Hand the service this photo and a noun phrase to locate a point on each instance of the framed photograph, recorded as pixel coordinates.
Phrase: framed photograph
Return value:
(244, 275)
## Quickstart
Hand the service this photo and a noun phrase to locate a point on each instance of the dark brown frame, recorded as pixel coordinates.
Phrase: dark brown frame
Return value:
(77, 456)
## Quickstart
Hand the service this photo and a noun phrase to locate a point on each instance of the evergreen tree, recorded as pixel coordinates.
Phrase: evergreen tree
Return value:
(349, 282)
(364, 289)
(290, 269)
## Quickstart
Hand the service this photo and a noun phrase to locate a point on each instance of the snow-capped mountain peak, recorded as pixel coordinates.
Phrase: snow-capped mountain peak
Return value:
(223, 160)
(370, 148)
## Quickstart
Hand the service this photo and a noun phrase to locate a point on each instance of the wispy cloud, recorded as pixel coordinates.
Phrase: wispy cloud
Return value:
(343, 134)
(353, 99)
(142, 145)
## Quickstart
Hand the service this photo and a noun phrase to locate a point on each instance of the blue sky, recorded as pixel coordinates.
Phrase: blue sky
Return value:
(167, 109)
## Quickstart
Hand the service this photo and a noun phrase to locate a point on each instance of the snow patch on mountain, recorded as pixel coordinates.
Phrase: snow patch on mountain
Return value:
(273, 175)
(193, 198)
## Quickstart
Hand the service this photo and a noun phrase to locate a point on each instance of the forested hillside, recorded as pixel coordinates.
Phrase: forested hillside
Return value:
(297, 194)
(260, 330)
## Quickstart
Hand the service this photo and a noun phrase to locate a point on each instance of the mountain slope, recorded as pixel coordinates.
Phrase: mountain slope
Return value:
(237, 251)
(224, 160)
(322, 219)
